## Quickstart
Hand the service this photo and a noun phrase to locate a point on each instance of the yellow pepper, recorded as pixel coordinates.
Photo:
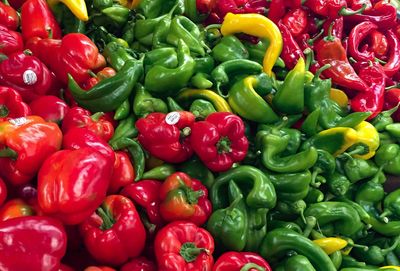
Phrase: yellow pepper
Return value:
(335, 140)
(392, 267)
(339, 97)
(219, 103)
(77, 7)
(131, 4)
(330, 244)
(259, 26)
(369, 136)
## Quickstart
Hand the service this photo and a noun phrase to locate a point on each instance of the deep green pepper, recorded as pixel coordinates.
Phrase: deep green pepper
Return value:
(173, 105)
(162, 81)
(392, 259)
(166, 57)
(291, 186)
(192, 13)
(201, 81)
(123, 110)
(298, 263)
(310, 125)
(357, 169)
(144, 103)
(275, 224)
(116, 55)
(102, 4)
(159, 173)
(229, 225)
(325, 164)
(229, 48)
(383, 119)
(135, 151)
(314, 195)
(125, 129)
(201, 108)
(388, 156)
(150, 8)
(343, 216)
(257, 227)
(289, 98)
(257, 51)
(374, 255)
(100, 98)
(245, 98)
(279, 241)
(260, 190)
(117, 14)
(350, 262)
(182, 28)
(338, 184)
(145, 28)
(294, 134)
(391, 204)
(204, 64)
(224, 72)
(336, 258)
(196, 169)
(273, 145)
(394, 130)
(292, 208)
(161, 32)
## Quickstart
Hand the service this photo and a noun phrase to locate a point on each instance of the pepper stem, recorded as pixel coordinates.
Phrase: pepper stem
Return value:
(192, 196)
(92, 74)
(211, 26)
(3, 56)
(314, 176)
(224, 145)
(311, 222)
(391, 248)
(3, 111)
(235, 202)
(108, 221)
(8, 153)
(186, 131)
(250, 266)
(320, 70)
(97, 116)
(383, 216)
(330, 37)
(348, 12)
(189, 251)
(313, 39)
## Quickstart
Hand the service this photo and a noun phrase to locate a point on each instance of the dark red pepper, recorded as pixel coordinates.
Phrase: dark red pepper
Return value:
(291, 51)
(3, 192)
(239, 261)
(11, 104)
(123, 173)
(336, 26)
(276, 10)
(10, 41)
(8, 16)
(139, 264)
(392, 99)
(378, 43)
(393, 63)
(357, 35)
(296, 21)
(50, 108)
(331, 8)
(357, 4)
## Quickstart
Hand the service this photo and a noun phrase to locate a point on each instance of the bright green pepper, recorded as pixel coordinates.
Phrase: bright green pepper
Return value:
(145, 28)
(182, 28)
(229, 48)
(298, 263)
(144, 103)
(192, 13)
(383, 119)
(116, 55)
(201, 108)
(166, 57)
(314, 195)
(117, 14)
(159, 173)
(291, 186)
(173, 105)
(358, 169)
(150, 8)
(260, 190)
(257, 51)
(338, 184)
(388, 156)
(162, 81)
(201, 80)
(394, 130)
(310, 125)
(279, 241)
(391, 204)
(325, 164)
(289, 98)
(204, 64)
(374, 255)
(294, 134)
(343, 216)
(245, 98)
(99, 98)
(125, 129)
(161, 32)
(123, 110)
(336, 258)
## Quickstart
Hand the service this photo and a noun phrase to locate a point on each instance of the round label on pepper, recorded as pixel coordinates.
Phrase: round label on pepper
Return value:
(29, 77)
(18, 121)
(172, 118)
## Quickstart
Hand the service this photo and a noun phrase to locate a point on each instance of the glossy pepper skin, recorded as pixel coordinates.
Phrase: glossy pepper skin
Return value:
(81, 176)
(291, 51)
(174, 148)
(50, 108)
(123, 172)
(228, 48)
(393, 63)
(8, 16)
(356, 36)
(219, 140)
(11, 104)
(139, 264)
(388, 157)
(114, 233)
(79, 117)
(37, 20)
(37, 242)
(16, 208)
(184, 246)
(236, 261)
(11, 41)
(28, 75)
(27, 142)
(184, 198)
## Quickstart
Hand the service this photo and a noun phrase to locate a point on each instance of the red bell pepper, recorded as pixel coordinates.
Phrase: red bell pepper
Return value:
(184, 198)
(357, 35)
(145, 193)
(332, 8)
(372, 99)
(15, 208)
(139, 264)
(28, 75)
(184, 246)
(123, 173)
(378, 43)
(3, 191)
(296, 21)
(330, 50)
(32, 243)
(78, 137)
(50, 108)
(10, 41)
(79, 117)
(75, 54)
(37, 20)
(11, 104)
(392, 99)
(240, 261)
(114, 233)
(173, 128)
(291, 51)
(24, 144)
(8, 16)
(73, 183)
(219, 140)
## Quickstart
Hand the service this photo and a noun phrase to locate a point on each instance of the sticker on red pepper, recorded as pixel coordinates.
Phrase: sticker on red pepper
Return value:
(29, 77)
(18, 121)
(172, 118)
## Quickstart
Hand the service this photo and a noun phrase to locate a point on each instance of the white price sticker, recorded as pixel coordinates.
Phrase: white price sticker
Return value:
(18, 121)
(29, 77)
(172, 118)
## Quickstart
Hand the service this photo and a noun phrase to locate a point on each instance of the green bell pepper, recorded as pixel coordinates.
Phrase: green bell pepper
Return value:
(166, 57)
(374, 255)
(294, 134)
(229, 48)
(291, 186)
(204, 64)
(144, 103)
(116, 55)
(357, 169)
(145, 28)
(117, 14)
(338, 184)
(394, 130)
(314, 195)
(388, 156)
(310, 125)
(201, 108)
(391, 204)
(298, 263)
(161, 32)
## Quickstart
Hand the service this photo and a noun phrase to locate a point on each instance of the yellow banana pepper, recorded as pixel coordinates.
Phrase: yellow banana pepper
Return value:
(77, 7)
(391, 267)
(330, 244)
(259, 26)
(339, 97)
(369, 136)
(219, 103)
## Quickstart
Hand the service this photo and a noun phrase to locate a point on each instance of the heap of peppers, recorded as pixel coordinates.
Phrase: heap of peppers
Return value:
(203, 135)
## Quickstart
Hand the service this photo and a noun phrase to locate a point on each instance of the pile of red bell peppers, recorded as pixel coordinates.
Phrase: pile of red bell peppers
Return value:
(201, 135)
